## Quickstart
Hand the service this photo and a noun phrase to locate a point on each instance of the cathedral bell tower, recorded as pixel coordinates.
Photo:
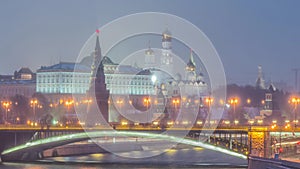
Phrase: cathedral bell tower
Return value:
(167, 58)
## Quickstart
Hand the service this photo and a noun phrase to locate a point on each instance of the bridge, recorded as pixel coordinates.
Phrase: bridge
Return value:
(237, 142)
(32, 150)
(229, 141)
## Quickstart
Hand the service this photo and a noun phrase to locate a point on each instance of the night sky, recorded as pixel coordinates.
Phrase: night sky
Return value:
(245, 33)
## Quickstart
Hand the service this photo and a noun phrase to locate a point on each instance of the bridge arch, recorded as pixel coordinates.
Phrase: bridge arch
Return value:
(31, 150)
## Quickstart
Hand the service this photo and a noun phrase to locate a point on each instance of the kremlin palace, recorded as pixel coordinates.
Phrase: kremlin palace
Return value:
(66, 81)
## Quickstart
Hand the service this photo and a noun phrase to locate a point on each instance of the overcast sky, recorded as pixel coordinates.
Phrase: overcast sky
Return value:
(246, 34)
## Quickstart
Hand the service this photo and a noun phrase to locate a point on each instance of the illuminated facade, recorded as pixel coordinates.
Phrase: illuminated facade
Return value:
(63, 78)
(131, 89)
(127, 80)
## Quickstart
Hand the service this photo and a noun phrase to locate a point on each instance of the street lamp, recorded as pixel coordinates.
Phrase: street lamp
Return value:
(88, 101)
(175, 102)
(147, 100)
(248, 101)
(119, 102)
(68, 104)
(234, 101)
(209, 101)
(6, 105)
(33, 104)
(295, 101)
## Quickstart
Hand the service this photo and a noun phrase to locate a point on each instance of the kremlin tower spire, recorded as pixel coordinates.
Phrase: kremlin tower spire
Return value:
(97, 90)
(97, 56)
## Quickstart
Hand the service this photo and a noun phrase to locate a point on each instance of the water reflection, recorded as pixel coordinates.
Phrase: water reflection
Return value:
(173, 158)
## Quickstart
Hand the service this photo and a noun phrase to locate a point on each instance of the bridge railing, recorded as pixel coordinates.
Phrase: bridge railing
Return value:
(42, 134)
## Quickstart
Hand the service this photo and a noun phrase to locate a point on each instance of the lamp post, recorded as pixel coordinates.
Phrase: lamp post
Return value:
(209, 101)
(147, 101)
(175, 103)
(120, 102)
(88, 101)
(33, 104)
(68, 104)
(248, 101)
(234, 101)
(295, 101)
(6, 105)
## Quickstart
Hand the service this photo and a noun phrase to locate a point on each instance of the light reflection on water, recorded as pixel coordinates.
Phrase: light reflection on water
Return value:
(100, 166)
(173, 158)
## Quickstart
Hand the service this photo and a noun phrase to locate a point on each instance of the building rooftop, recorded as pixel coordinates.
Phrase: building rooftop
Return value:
(65, 67)
(25, 70)
(127, 69)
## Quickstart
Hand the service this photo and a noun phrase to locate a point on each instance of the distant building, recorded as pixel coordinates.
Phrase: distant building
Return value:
(260, 82)
(24, 74)
(21, 83)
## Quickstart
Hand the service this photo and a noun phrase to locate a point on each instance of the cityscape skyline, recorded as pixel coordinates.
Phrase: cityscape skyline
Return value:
(263, 33)
(159, 84)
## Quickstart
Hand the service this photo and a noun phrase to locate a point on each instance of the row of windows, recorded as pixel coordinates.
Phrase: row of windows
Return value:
(63, 77)
(62, 90)
(127, 77)
(144, 87)
(63, 85)
(63, 80)
(119, 82)
(62, 74)
(131, 90)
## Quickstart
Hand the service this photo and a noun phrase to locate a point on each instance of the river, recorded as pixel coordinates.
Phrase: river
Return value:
(182, 158)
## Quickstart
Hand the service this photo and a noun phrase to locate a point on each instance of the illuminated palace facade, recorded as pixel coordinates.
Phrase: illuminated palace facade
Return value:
(64, 79)
(127, 85)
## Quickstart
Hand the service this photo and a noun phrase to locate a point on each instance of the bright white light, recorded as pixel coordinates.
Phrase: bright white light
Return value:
(153, 78)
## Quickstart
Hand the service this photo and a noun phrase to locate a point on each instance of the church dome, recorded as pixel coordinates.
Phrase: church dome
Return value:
(190, 65)
(167, 36)
(149, 51)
